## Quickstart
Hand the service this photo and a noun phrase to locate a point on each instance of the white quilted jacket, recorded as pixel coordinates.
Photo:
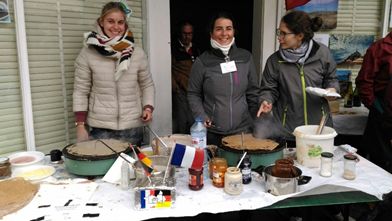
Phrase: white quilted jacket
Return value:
(111, 104)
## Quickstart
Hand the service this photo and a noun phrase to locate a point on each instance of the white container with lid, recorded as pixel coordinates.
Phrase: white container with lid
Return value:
(310, 145)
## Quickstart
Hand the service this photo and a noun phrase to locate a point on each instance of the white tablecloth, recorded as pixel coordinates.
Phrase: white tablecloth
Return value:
(350, 121)
(112, 203)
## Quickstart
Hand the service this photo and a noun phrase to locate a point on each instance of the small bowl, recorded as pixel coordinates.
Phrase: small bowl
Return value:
(26, 158)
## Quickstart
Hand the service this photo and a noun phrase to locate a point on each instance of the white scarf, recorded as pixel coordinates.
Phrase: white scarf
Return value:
(224, 48)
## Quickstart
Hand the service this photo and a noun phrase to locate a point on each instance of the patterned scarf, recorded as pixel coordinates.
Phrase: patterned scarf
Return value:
(119, 47)
(298, 55)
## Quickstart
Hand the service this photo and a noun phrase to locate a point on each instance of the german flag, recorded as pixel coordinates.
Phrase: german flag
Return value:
(144, 160)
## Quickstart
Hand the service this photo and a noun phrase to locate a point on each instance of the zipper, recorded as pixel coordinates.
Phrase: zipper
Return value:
(227, 59)
(118, 103)
(284, 116)
(303, 85)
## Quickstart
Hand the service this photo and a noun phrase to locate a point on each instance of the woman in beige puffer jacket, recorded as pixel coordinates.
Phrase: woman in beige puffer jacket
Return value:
(113, 88)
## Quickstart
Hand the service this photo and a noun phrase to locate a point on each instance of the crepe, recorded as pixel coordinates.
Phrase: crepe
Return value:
(250, 143)
(97, 148)
(14, 194)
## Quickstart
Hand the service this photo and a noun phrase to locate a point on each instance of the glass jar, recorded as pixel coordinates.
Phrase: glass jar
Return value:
(219, 166)
(350, 162)
(195, 179)
(233, 181)
(326, 164)
(246, 170)
(5, 167)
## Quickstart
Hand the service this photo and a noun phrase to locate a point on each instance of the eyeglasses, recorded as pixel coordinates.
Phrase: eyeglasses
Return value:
(283, 34)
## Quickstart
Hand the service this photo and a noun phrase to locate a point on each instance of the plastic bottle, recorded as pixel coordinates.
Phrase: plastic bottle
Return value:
(199, 140)
(124, 182)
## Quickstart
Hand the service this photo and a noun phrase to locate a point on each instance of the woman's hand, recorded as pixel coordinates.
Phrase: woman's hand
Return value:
(81, 133)
(208, 123)
(330, 98)
(147, 115)
(265, 107)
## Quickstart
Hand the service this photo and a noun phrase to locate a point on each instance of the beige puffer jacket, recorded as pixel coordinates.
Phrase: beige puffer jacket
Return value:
(110, 104)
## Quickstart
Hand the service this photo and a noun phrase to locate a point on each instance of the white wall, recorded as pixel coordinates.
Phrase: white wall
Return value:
(158, 50)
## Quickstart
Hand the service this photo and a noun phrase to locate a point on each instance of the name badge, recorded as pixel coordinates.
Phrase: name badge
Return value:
(228, 67)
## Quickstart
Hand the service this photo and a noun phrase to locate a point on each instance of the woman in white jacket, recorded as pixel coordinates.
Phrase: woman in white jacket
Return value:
(113, 89)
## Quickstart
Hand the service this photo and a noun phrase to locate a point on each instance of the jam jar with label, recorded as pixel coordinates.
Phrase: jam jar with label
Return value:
(195, 179)
(219, 166)
(233, 181)
(5, 167)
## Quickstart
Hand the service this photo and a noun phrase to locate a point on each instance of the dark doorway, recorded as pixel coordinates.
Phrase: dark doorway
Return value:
(200, 11)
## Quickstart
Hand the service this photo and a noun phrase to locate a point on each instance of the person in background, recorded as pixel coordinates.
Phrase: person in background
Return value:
(300, 62)
(184, 53)
(223, 88)
(113, 88)
(374, 81)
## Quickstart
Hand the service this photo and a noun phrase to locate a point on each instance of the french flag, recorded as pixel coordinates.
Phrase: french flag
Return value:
(188, 157)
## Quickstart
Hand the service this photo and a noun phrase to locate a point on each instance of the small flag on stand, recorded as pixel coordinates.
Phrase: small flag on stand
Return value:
(144, 160)
(290, 4)
(188, 157)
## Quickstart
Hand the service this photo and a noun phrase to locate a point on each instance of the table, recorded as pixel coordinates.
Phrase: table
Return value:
(109, 199)
(350, 121)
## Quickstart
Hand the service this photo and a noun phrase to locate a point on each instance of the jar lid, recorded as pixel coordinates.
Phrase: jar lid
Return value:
(350, 157)
(4, 160)
(327, 154)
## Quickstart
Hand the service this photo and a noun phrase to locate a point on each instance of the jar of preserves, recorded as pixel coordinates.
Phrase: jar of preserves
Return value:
(233, 181)
(195, 179)
(326, 164)
(5, 167)
(219, 166)
(350, 162)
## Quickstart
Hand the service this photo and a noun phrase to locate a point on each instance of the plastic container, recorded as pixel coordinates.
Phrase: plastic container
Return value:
(199, 134)
(199, 140)
(310, 145)
(124, 182)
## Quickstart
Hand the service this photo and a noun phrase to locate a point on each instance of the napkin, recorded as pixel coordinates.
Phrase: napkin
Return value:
(114, 173)
(321, 92)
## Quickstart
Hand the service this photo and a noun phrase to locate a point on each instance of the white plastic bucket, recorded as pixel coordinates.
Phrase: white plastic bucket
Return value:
(310, 145)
